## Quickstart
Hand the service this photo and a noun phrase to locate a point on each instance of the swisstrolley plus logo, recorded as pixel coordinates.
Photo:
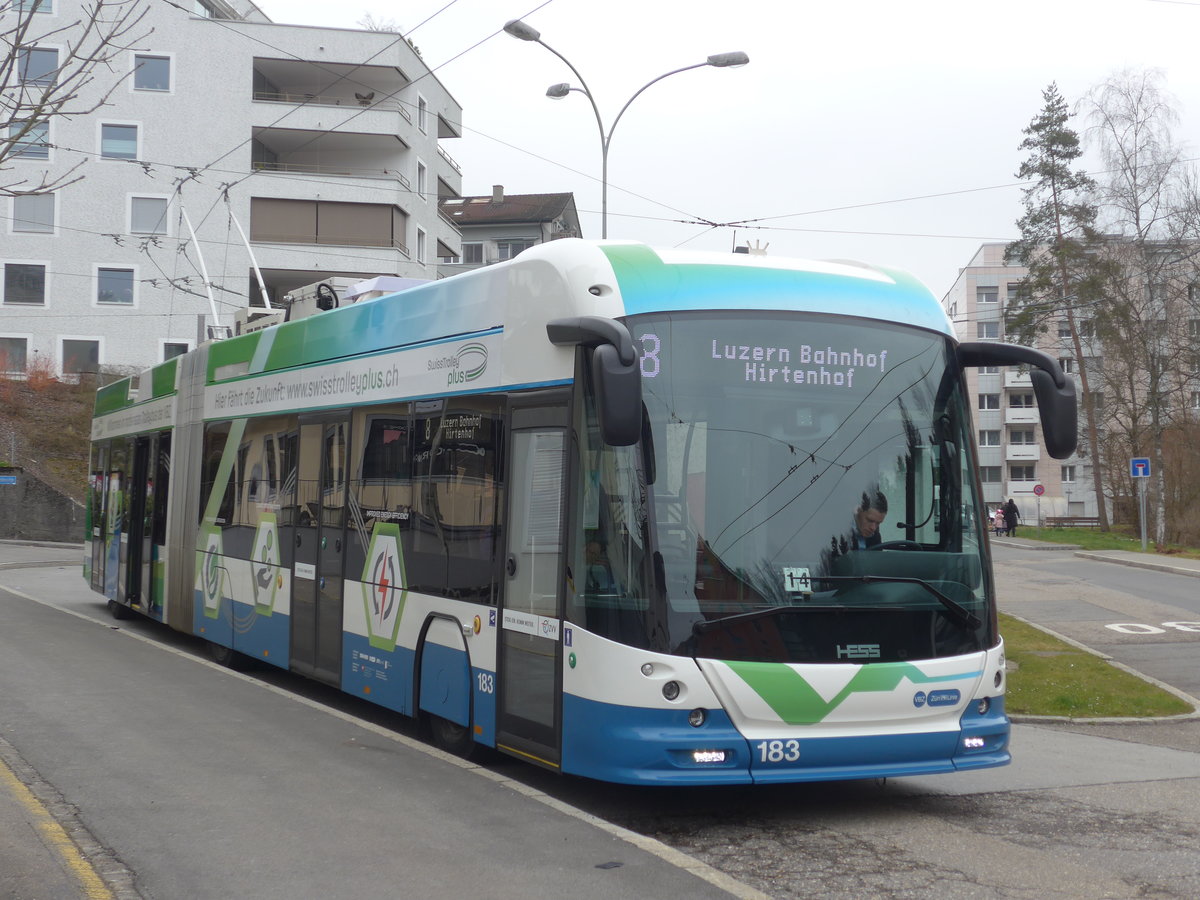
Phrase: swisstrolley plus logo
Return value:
(466, 365)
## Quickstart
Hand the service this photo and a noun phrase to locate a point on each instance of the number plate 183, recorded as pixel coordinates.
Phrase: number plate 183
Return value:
(778, 751)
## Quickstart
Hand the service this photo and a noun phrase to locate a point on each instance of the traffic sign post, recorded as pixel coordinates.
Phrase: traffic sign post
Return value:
(1139, 471)
(1038, 490)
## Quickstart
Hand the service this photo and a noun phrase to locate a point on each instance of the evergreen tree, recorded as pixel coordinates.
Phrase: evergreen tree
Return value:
(1057, 245)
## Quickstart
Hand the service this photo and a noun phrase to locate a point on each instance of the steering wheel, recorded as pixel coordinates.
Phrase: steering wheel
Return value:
(897, 545)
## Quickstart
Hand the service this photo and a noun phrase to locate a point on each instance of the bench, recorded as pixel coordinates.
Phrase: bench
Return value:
(1072, 521)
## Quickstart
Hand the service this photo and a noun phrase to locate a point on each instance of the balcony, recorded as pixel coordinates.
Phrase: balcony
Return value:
(1023, 453)
(1016, 379)
(325, 154)
(1021, 415)
(299, 82)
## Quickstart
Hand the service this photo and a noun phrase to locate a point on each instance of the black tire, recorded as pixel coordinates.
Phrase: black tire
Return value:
(454, 738)
(119, 611)
(228, 657)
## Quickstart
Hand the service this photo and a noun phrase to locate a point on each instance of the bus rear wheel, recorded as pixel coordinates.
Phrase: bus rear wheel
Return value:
(228, 657)
(119, 611)
(453, 738)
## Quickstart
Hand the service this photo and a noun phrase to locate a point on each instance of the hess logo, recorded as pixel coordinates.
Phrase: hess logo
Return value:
(858, 651)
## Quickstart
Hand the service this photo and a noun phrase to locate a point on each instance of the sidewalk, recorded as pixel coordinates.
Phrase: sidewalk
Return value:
(1158, 562)
(181, 790)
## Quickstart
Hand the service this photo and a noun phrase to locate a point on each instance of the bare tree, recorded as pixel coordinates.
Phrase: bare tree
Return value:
(51, 69)
(1149, 211)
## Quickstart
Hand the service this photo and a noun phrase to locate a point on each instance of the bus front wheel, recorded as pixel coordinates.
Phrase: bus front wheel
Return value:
(453, 738)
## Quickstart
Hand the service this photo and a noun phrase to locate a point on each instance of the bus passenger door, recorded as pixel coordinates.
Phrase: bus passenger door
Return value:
(319, 541)
(132, 575)
(530, 653)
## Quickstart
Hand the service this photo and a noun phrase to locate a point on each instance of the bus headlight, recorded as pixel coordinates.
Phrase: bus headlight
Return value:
(697, 717)
(983, 706)
(671, 690)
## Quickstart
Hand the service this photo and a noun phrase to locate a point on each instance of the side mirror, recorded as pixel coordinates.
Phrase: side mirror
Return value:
(618, 396)
(1059, 410)
(616, 373)
(1057, 404)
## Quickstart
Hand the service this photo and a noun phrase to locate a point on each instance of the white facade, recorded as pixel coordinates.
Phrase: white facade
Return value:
(1012, 455)
(327, 143)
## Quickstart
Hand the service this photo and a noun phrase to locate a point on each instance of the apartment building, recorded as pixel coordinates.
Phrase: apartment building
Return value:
(1012, 456)
(499, 226)
(237, 161)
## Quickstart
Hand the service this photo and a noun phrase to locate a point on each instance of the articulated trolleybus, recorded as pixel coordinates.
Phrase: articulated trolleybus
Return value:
(599, 507)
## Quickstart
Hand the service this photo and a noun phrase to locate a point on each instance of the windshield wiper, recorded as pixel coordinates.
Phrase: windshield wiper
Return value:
(958, 613)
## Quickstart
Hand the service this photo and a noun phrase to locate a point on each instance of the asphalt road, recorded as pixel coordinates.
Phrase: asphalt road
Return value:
(1148, 620)
(204, 783)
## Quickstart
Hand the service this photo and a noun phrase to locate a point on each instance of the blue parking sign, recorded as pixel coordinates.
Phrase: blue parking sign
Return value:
(1139, 467)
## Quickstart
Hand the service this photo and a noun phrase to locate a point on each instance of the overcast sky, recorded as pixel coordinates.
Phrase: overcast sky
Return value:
(862, 129)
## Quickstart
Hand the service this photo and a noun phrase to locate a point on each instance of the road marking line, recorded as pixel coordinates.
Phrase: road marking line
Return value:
(55, 837)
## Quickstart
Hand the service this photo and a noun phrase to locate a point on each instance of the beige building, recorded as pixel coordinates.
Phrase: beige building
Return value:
(499, 226)
(1013, 460)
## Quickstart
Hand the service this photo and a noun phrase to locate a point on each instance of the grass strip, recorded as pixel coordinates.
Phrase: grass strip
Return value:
(1053, 678)
(1095, 539)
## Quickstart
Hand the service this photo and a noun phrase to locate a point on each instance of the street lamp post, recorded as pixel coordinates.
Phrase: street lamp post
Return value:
(521, 31)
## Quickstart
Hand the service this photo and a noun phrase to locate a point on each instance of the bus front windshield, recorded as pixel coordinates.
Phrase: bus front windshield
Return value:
(804, 492)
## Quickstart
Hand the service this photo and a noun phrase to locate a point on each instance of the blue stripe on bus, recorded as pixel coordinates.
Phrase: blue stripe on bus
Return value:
(381, 676)
(655, 746)
(445, 683)
(265, 638)
(633, 745)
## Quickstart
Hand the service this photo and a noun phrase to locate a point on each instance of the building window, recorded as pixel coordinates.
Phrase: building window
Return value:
(151, 73)
(989, 474)
(1068, 474)
(24, 283)
(119, 141)
(509, 249)
(280, 221)
(989, 370)
(987, 294)
(420, 246)
(1021, 401)
(1022, 473)
(148, 215)
(80, 356)
(1064, 328)
(1021, 436)
(422, 179)
(31, 140)
(422, 115)
(989, 401)
(1195, 400)
(988, 330)
(13, 354)
(1087, 329)
(37, 6)
(37, 66)
(1014, 291)
(172, 349)
(114, 286)
(33, 213)
(989, 438)
(472, 254)
(1194, 328)
(1067, 364)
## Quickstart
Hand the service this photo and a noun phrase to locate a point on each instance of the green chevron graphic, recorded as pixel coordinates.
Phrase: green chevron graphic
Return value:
(796, 702)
